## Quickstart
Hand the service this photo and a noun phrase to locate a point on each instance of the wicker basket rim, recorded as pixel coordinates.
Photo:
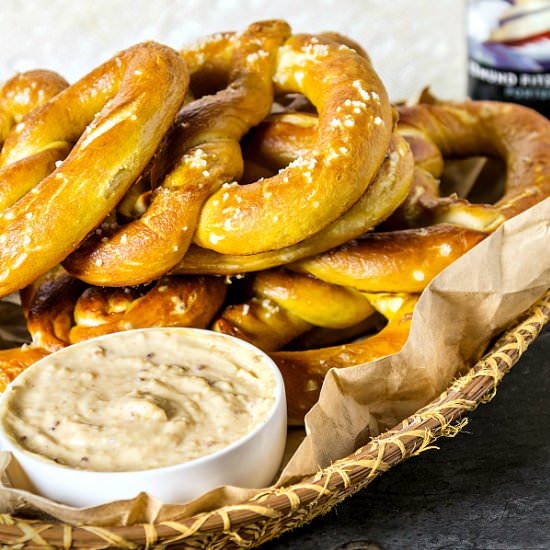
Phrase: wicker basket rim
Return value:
(274, 511)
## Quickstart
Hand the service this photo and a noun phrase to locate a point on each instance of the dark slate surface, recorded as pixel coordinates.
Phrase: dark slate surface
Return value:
(488, 488)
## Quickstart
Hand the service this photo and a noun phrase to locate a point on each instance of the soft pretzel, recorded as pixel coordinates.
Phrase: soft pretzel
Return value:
(382, 197)
(48, 305)
(377, 264)
(517, 135)
(394, 261)
(61, 310)
(380, 271)
(355, 125)
(285, 135)
(203, 146)
(309, 182)
(18, 97)
(285, 305)
(303, 371)
(122, 109)
(171, 302)
(440, 130)
(25, 92)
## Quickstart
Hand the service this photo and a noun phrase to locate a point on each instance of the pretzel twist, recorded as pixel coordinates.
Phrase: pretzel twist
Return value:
(14, 361)
(25, 92)
(18, 97)
(380, 271)
(517, 135)
(61, 310)
(310, 183)
(285, 305)
(137, 94)
(351, 144)
(304, 371)
(171, 302)
(405, 261)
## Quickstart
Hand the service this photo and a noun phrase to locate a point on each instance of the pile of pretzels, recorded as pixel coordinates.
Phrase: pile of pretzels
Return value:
(258, 183)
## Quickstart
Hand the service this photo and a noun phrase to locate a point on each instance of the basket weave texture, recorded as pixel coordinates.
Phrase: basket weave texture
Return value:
(275, 511)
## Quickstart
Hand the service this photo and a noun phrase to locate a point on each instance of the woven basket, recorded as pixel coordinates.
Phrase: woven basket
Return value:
(275, 511)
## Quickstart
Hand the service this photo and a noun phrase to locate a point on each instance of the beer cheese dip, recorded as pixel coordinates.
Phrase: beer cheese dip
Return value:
(147, 399)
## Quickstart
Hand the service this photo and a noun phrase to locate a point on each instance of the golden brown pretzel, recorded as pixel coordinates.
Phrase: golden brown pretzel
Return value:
(355, 125)
(171, 302)
(354, 116)
(517, 135)
(304, 371)
(383, 266)
(61, 310)
(25, 92)
(381, 198)
(386, 268)
(446, 130)
(378, 263)
(137, 94)
(285, 305)
(14, 361)
(203, 146)
(18, 97)
(395, 261)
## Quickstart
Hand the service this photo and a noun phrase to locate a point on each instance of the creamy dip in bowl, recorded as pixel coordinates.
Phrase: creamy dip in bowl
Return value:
(173, 412)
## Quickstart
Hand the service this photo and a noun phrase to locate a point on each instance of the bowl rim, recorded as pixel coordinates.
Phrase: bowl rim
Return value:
(278, 403)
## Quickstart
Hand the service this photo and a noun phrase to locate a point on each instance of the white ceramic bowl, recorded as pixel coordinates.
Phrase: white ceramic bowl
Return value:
(251, 461)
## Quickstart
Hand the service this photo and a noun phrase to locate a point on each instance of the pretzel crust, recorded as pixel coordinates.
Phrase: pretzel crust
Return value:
(48, 305)
(62, 310)
(396, 261)
(18, 97)
(285, 305)
(339, 175)
(171, 302)
(25, 92)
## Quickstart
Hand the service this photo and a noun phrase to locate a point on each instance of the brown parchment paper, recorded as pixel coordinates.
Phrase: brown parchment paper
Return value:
(461, 310)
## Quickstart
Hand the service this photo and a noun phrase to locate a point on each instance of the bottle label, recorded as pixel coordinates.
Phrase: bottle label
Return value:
(509, 51)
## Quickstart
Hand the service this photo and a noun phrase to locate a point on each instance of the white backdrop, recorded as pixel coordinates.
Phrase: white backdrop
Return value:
(412, 42)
